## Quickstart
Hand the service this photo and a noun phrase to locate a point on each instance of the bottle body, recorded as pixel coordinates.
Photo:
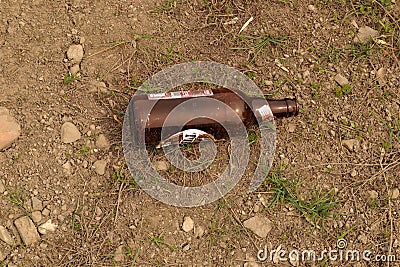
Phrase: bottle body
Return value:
(179, 111)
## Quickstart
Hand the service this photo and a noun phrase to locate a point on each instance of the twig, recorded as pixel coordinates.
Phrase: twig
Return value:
(106, 49)
(118, 200)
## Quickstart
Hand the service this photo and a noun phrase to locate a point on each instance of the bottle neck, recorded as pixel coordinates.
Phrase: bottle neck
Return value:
(280, 108)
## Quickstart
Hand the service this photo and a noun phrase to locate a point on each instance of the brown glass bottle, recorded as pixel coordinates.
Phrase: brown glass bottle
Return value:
(164, 104)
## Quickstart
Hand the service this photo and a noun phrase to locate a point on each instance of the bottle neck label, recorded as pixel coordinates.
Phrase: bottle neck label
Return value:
(266, 113)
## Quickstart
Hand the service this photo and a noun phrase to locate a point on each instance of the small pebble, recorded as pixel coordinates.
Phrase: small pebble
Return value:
(188, 224)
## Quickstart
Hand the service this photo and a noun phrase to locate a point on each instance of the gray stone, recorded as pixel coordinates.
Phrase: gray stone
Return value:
(395, 193)
(291, 127)
(27, 230)
(198, 231)
(161, 165)
(188, 224)
(46, 212)
(75, 54)
(364, 34)
(37, 204)
(100, 167)
(36, 216)
(67, 167)
(97, 87)
(102, 142)
(341, 80)
(351, 144)
(69, 133)
(381, 76)
(9, 129)
(6, 237)
(259, 224)
(74, 70)
(47, 227)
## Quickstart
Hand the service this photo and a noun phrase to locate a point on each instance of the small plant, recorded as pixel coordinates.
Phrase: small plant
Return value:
(16, 198)
(259, 43)
(75, 225)
(252, 136)
(84, 150)
(159, 242)
(69, 79)
(342, 90)
(16, 157)
(317, 207)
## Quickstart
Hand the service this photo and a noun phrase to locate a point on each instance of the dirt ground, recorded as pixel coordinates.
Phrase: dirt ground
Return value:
(336, 170)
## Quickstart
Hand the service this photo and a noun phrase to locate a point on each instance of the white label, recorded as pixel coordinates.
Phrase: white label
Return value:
(185, 137)
(265, 112)
(190, 135)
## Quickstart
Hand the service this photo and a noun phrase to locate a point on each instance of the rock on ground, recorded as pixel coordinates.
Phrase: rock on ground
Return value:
(75, 54)
(395, 193)
(198, 231)
(27, 230)
(100, 167)
(102, 142)
(36, 216)
(259, 224)
(47, 227)
(75, 69)
(161, 165)
(9, 129)
(97, 86)
(364, 34)
(381, 76)
(341, 80)
(188, 224)
(5, 236)
(69, 133)
(351, 144)
(37, 204)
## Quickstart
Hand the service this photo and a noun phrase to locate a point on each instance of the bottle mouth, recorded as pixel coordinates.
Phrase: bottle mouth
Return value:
(292, 107)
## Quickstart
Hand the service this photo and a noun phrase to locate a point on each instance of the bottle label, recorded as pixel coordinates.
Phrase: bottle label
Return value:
(266, 113)
(180, 94)
(185, 137)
